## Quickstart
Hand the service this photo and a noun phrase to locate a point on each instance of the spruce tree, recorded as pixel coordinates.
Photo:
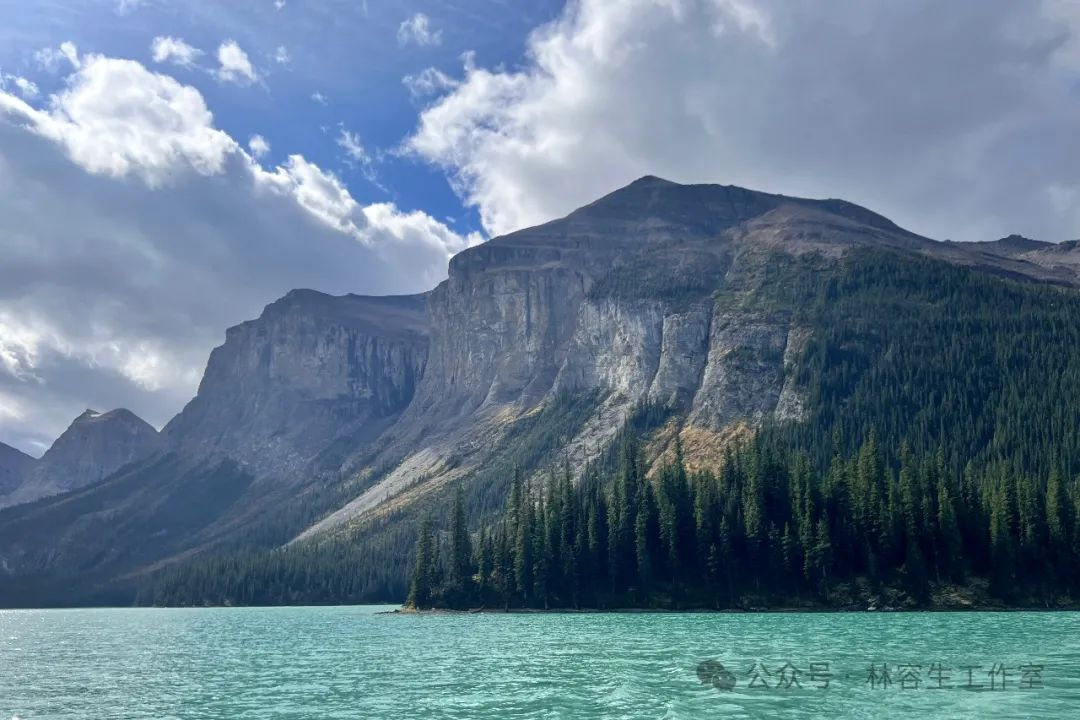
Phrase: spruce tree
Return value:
(420, 589)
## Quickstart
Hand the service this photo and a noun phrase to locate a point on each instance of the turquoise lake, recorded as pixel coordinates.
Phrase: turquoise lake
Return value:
(349, 662)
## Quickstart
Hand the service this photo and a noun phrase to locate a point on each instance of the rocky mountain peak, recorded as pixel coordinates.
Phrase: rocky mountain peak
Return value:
(114, 417)
(94, 445)
(704, 208)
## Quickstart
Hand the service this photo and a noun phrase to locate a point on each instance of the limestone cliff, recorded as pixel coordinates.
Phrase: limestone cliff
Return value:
(312, 370)
(636, 297)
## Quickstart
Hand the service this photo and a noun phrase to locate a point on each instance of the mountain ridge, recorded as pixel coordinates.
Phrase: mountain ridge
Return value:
(336, 413)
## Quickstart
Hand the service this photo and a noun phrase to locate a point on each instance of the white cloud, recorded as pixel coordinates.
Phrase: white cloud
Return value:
(258, 146)
(352, 146)
(118, 118)
(279, 4)
(417, 29)
(281, 55)
(134, 231)
(319, 192)
(429, 81)
(27, 88)
(174, 50)
(123, 7)
(19, 345)
(53, 59)
(320, 98)
(957, 120)
(235, 65)
(10, 410)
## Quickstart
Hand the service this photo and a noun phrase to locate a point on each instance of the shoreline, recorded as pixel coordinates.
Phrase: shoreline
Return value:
(402, 610)
(728, 611)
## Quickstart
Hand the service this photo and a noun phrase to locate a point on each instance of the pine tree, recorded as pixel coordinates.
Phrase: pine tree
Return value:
(523, 548)
(950, 544)
(1057, 521)
(420, 589)
(460, 561)
(645, 539)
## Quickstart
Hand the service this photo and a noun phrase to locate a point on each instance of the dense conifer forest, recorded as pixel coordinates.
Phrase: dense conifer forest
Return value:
(764, 529)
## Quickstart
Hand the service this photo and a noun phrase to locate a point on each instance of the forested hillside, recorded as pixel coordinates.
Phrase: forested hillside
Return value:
(766, 530)
(937, 448)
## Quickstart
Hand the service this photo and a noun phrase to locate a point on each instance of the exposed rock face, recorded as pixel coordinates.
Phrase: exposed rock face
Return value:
(94, 446)
(312, 370)
(14, 464)
(628, 298)
(637, 296)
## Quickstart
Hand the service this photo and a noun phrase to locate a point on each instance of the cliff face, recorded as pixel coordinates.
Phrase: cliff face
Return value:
(311, 370)
(631, 295)
(647, 294)
(94, 446)
(636, 297)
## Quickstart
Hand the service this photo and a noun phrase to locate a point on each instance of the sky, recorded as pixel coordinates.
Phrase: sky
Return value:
(169, 167)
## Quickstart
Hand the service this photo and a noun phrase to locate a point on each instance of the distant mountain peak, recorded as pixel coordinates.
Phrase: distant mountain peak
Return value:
(696, 209)
(119, 415)
(651, 180)
(95, 445)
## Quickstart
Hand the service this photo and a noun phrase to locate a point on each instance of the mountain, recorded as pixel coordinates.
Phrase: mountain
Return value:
(94, 446)
(13, 464)
(1062, 259)
(314, 371)
(698, 316)
(280, 402)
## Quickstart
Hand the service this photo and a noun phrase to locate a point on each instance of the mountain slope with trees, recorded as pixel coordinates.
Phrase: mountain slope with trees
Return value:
(704, 320)
(936, 449)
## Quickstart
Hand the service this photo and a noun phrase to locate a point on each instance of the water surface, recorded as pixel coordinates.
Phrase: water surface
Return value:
(349, 662)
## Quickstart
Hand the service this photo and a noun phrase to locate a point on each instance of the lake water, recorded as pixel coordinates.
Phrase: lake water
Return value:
(353, 663)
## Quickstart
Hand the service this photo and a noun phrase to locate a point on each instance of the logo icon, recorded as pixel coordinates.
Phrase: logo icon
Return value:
(713, 672)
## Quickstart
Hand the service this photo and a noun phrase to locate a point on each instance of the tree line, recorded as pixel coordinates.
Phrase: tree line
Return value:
(762, 528)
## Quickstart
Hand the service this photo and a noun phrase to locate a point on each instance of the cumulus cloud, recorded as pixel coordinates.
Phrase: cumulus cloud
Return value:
(956, 119)
(135, 231)
(418, 30)
(166, 49)
(258, 146)
(235, 66)
(117, 118)
(281, 55)
(54, 59)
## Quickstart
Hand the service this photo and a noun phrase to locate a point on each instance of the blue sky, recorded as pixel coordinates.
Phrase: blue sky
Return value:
(139, 218)
(347, 51)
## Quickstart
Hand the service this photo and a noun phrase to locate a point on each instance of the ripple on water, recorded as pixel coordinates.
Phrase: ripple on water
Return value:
(351, 663)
